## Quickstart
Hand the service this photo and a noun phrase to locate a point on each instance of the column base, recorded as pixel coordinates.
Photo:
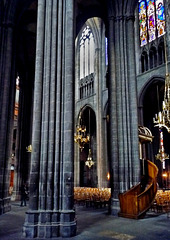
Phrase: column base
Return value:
(49, 224)
(114, 207)
(5, 205)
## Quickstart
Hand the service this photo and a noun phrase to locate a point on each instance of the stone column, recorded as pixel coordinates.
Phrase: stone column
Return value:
(125, 164)
(51, 211)
(113, 115)
(132, 88)
(101, 161)
(68, 224)
(7, 96)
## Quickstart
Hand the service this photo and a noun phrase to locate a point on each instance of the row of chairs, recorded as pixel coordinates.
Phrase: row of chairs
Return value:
(95, 197)
(92, 197)
(162, 202)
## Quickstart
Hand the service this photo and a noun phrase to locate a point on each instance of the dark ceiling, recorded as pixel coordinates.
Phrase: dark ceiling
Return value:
(27, 20)
(87, 9)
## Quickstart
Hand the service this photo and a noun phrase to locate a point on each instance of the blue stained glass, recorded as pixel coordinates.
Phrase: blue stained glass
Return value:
(160, 15)
(161, 10)
(150, 2)
(143, 22)
(142, 5)
(151, 20)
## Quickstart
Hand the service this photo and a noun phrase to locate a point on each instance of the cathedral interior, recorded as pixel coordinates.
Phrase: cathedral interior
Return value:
(84, 107)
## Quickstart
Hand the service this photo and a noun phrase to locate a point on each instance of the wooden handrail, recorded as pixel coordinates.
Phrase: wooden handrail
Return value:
(135, 202)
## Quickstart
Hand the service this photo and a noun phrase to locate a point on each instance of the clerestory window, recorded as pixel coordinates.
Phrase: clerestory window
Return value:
(151, 20)
(151, 28)
(87, 56)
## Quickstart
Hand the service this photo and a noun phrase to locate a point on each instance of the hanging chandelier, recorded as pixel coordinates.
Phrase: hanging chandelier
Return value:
(162, 119)
(161, 154)
(80, 137)
(89, 162)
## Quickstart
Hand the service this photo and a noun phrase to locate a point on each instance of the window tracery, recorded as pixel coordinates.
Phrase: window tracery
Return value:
(87, 53)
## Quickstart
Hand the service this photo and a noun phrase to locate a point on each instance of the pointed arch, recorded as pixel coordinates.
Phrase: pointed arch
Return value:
(153, 57)
(148, 84)
(144, 61)
(85, 176)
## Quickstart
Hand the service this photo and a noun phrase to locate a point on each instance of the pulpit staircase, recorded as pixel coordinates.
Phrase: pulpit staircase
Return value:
(135, 202)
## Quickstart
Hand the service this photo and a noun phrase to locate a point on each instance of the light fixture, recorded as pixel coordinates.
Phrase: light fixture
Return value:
(161, 154)
(162, 119)
(89, 162)
(165, 175)
(108, 176)
(80, 136)
(12, 167)
(29, 148)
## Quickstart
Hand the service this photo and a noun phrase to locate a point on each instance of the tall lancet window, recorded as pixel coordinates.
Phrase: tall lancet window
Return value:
(87, 53)
(151, 20)
(160, 17)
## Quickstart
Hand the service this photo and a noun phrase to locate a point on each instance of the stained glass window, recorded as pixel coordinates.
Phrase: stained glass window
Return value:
(160, 17)
(143, 22)
(151, 20)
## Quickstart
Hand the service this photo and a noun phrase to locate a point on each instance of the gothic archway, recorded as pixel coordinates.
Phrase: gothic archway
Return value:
(87, 172)
(150, 103)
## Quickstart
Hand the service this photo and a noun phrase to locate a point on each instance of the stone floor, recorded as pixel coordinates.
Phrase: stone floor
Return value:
(95, 224)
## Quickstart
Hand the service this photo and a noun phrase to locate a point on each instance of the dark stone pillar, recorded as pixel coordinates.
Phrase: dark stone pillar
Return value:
(132, 89)
(125, 165)
(51, 211)
(113, 133)
(7, 96)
